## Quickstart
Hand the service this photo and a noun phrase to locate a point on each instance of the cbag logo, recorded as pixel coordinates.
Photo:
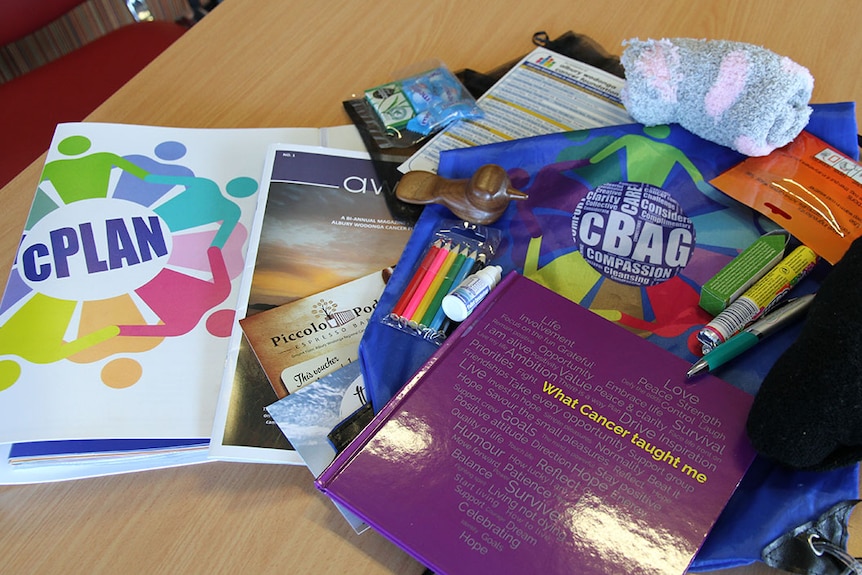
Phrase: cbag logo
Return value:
(634, 233)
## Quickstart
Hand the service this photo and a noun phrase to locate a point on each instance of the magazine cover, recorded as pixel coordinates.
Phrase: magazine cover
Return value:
(542, 438)
(328, 220)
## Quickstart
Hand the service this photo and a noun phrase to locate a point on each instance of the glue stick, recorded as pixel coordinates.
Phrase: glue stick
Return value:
(458, 304)
(759, 298)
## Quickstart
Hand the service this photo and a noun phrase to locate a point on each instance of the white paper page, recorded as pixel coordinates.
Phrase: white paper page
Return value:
(545, 93)
(175, 394)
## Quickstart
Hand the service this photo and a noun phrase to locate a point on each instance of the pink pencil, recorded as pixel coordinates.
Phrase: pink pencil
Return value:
(421, 271)
(422, 288)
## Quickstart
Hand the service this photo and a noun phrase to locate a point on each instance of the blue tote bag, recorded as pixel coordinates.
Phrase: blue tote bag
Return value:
(659, 302)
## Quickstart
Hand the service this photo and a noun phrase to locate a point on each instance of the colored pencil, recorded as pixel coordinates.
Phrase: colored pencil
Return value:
(481, 261)
(426, 280)
(462, 272)
(445, 285)
(417, 278)
(439, 276)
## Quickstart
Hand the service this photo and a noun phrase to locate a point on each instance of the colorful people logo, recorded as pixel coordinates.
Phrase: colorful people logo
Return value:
(557, 229)
(118, 254)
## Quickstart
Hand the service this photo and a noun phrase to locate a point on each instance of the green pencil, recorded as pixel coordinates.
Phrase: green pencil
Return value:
(441, 292)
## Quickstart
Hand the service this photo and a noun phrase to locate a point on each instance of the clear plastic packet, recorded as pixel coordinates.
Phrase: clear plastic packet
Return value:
(456, 250)
(401, 113)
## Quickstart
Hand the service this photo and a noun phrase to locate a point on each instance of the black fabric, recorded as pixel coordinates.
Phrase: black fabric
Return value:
(806, 549)
(808, 411)
(345, 432)
(576, 46)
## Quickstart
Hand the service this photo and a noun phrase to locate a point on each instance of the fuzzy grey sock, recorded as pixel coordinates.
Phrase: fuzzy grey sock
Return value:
(731, 93)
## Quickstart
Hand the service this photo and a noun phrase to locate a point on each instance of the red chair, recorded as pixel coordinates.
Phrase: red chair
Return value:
(69, 88)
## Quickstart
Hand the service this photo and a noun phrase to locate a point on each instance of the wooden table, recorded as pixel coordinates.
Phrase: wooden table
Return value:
(277, 63)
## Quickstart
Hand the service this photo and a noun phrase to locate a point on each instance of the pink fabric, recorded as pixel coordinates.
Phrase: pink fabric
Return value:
(747, 145)
(658, 65)
(791, 67)
(735, 94)
(729, 85)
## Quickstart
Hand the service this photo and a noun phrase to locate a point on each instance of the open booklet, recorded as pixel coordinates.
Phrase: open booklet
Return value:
(311, 266)
(117, 315)
(327, 221)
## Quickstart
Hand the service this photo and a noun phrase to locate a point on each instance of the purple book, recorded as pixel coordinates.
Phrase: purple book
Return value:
(542, 438)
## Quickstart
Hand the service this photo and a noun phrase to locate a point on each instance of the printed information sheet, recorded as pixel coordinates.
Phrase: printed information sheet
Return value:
(545, 93)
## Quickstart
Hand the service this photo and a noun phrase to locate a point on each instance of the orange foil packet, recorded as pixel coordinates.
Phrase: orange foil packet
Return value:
(808, 188)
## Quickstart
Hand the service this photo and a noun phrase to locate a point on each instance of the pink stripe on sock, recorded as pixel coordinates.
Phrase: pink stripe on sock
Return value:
(657, 65)
(788, 66)
(729, 84)
(748, 146)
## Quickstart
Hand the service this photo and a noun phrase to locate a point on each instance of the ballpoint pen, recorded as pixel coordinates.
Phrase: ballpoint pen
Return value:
(747, 338)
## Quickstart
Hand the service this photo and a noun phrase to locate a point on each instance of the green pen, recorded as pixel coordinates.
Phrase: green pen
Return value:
(747, 338)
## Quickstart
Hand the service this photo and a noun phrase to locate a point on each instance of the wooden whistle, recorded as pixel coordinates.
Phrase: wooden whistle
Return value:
(482, 199)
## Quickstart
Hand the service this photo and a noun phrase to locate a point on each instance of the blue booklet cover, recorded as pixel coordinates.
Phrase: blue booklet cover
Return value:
(89, 449)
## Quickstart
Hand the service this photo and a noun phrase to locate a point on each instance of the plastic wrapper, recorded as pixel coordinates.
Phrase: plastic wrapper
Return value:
(808, 188)
(401, 113)
(456, 250)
